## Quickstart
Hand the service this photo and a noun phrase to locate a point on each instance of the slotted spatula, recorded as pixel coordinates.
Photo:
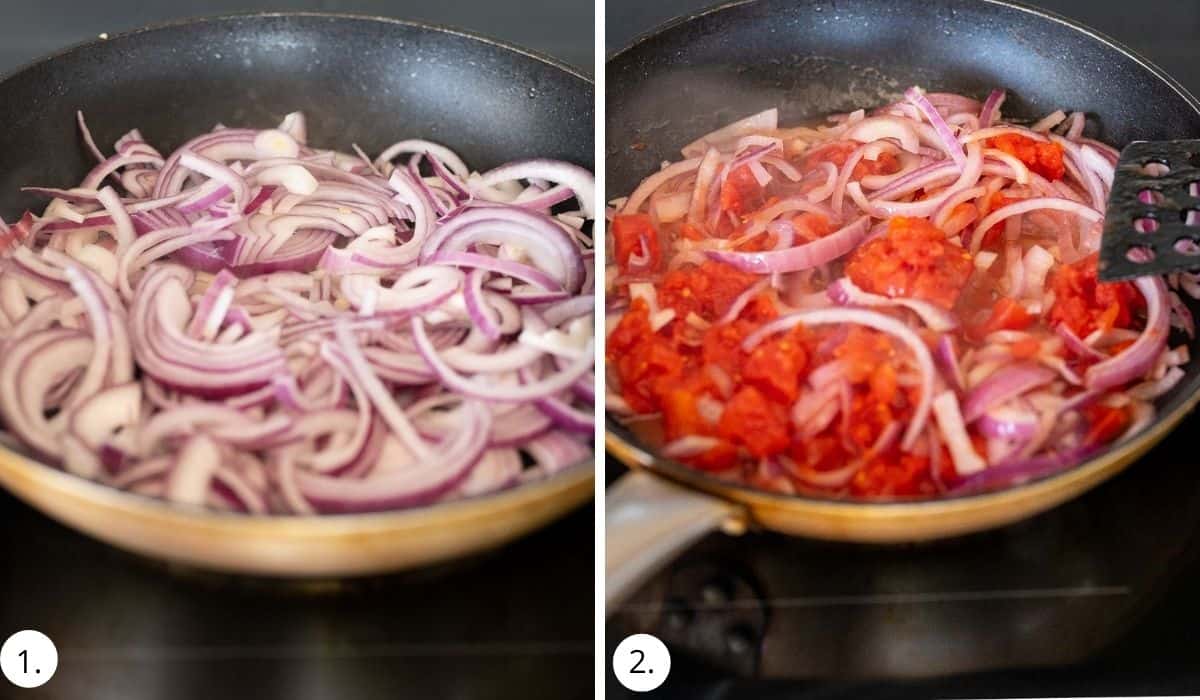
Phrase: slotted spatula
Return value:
(1152, 226)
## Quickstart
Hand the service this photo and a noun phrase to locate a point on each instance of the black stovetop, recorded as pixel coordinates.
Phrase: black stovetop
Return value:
(1096, 597)
(518, 622)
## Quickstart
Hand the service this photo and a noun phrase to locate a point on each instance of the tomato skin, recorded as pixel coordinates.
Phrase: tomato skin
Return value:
(1008, 315)
(1084, 304)
(755, 422)
(913, 259)
(633, 234)
(1105, 423)
(740, 192)
(1045, 159)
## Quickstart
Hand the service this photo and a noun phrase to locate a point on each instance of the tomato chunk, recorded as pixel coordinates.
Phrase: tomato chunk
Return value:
(1008, 315)
(1105, 423)
(755, 422)
(913, 259)
(645, 360)
(1045, 159)
(740, 192)
(777, 366)
(634, 234)
(707, 290)
(1085, 304)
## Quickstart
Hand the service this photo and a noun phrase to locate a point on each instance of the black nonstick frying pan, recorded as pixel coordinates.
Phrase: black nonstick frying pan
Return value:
(359, 80)
(815, 57)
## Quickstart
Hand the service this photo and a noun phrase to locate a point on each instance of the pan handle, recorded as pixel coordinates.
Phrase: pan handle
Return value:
(648, 521)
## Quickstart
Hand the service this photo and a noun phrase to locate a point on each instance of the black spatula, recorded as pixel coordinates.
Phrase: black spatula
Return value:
(1152, 226)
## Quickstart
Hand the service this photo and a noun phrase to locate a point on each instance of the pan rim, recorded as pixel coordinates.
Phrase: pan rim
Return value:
(467, 508)
(1123, 453)
(177, 23)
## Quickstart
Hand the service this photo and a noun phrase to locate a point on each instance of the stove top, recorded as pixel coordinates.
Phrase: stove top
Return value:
(1095, 597)
(1098, 591)
(517, 622)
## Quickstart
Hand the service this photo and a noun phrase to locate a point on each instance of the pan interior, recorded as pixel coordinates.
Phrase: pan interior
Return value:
(358, 80)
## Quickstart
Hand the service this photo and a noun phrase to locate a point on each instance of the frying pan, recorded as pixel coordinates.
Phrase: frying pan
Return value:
(815, 57)
(370, 81)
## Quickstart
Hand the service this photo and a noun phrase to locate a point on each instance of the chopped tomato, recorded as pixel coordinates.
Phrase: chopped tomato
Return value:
(1007, 315)
(756, 423)
(810, 227)
(741, 193)
(994, 233)
(644, 359)
(691, 232)
(1025, 349)
(776, 367)
(913, 259)
(862, 352)
(681, 416)
(1085, 304)
(707, 290)
(719, 458)
(634, 234)
(1043, 158)
(893, 475)
(884, 383)
(1105, 423)
(722, 347)
(837, 152)
(824, 452)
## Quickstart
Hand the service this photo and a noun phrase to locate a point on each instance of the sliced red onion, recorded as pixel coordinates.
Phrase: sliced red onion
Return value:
(1022, 471)
(1008, 423)
(726, 136)
(1076, 345)
(304, 375)
(947, 357)
(949, 141)
(1138, 358)
(878, 128)
(1003, 385)
(845, 293)
(1027, 205)
(418, 482)
(991, 108)
(954, 432)
(801, 257)
(689, 446)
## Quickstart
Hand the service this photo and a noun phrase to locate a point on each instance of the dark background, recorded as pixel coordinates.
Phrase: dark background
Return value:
(513, 623)
(1097, 597)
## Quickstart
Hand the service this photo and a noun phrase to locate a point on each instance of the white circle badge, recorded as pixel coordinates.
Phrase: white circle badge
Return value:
(28, 659)
(641, 662)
